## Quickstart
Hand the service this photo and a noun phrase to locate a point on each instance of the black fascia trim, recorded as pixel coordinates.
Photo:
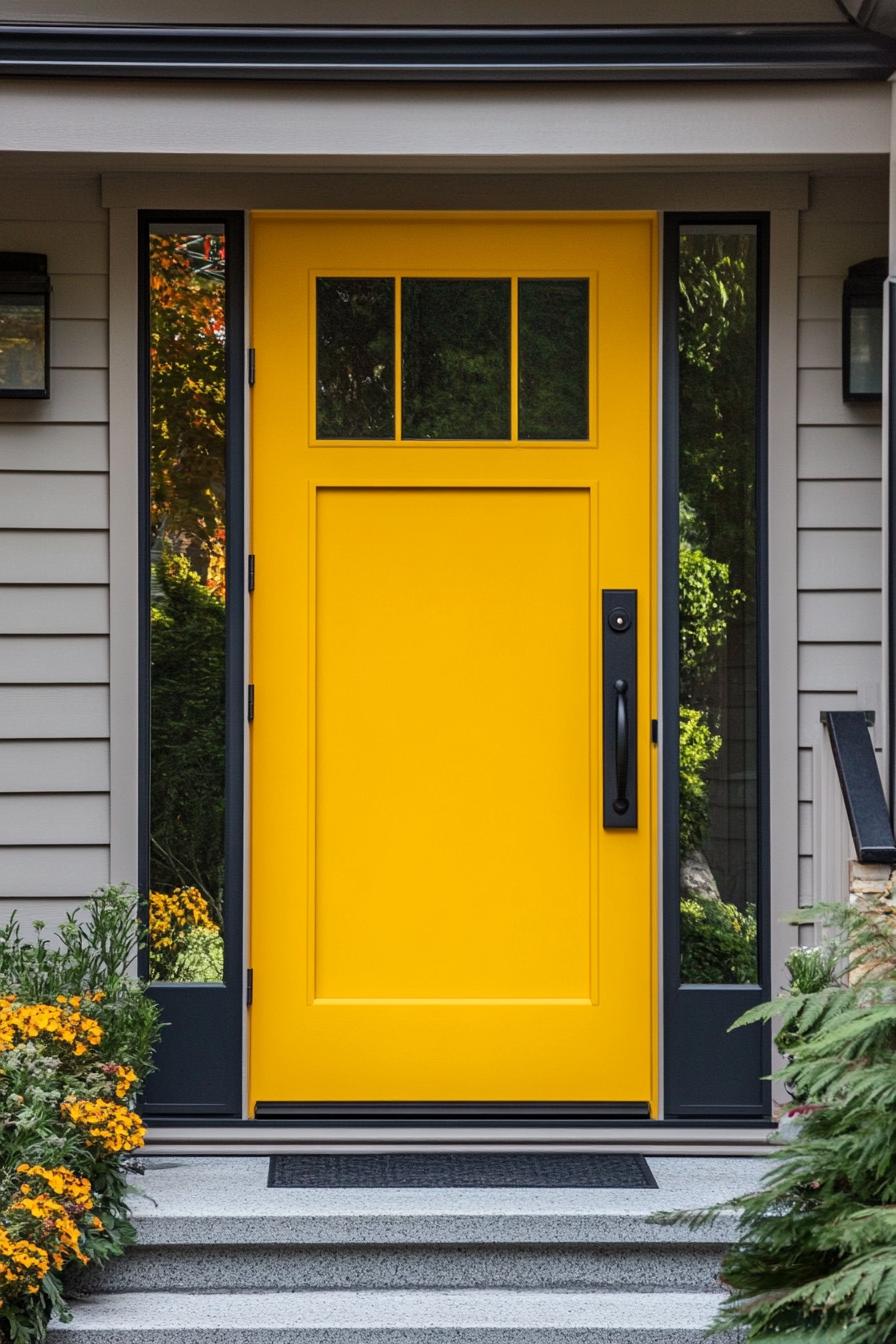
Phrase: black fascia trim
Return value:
(226, 999)
(451, 1112)
(475, 53)
(677, 1049)
(860, 784)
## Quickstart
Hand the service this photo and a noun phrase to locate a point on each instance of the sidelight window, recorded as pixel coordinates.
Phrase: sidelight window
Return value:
(718, 598)
(188, 582)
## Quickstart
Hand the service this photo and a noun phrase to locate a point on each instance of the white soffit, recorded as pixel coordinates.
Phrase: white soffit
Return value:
(255, 125)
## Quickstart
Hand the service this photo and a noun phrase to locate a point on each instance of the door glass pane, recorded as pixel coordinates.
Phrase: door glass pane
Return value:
(188, 594)
(719, 843)
(355, 358)
(455, 351)
(553, 359)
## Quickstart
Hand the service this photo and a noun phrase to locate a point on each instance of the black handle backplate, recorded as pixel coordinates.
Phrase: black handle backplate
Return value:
(620, 707)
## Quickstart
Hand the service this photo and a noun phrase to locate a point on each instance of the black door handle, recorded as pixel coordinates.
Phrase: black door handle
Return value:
(620, 802)
(620, 708)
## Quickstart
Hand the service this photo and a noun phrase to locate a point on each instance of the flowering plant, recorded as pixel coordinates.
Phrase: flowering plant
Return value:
(76, 1036)
(184, 940)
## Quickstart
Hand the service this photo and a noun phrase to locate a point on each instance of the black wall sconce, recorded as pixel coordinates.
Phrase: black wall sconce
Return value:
(24, 325)
(863, 330)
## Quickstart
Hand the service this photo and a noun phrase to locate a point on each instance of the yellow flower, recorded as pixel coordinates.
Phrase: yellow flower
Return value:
(107, 1124)
(57, 1225)
(171, 913)
(23, 1265)
(62, 1181)
(60, 1021)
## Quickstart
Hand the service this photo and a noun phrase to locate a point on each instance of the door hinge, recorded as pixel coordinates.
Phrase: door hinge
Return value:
(250, 985)
(654, 730)
(250, 701)
(250, 574)
(250, 365)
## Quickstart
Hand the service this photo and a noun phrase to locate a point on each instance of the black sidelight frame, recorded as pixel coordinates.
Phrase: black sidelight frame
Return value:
(200, 1057)
(709, 1074)
(710, 1077)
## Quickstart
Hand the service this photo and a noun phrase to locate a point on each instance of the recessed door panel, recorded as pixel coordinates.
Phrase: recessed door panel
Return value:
(454, 686)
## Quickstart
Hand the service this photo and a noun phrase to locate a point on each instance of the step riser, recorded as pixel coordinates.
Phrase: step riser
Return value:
(248, 1268)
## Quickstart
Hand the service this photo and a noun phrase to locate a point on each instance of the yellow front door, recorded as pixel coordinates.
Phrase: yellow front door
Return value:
(452, 462)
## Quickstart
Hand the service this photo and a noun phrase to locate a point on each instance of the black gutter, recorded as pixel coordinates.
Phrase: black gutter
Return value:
(791, 51)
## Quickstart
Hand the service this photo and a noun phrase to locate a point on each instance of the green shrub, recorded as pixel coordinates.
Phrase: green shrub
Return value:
(707, 602)
(187, 718)
(718, 941)
(698, 747)
(816, 1258)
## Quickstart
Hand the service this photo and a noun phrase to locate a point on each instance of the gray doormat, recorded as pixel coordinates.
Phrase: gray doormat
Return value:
(598, 1171)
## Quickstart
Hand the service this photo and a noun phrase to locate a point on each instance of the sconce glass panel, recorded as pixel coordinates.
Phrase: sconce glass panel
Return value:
(866, 354)
(863, 330)
(24, 325)
(22, 346)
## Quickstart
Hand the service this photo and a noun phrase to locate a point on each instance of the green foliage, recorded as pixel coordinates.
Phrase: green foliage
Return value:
(718, 941)
(187, 706)
(717, 345)
(816, 1258)
(812, 968)
(706, 604)
(86, 970)
(717, 349)
(94, 948)
(698, 746)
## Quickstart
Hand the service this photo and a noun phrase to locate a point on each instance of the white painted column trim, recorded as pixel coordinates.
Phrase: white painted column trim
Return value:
(124, 504)
(782, 586)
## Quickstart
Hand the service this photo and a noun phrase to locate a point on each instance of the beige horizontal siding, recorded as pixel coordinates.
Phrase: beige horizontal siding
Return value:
(54, 711)
(54, 819)
(69, 872)
(44, 556)
(42, 660)
(49, 447)
(79, 344)
(840, 504)
(74, 766)
(837, 616)
(70, 251)
(826, 453)
(81, 297)
(820, 393)
(48, 610)
(820, 297)
(54, 567)
(840, 555)
(805, 774)
(78, 395)
(839, 559)
(76, 500)
(819, 344)
(838, 667)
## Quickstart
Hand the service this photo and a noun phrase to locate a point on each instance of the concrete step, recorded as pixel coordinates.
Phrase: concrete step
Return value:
(240, 1268)
(396, 1316)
